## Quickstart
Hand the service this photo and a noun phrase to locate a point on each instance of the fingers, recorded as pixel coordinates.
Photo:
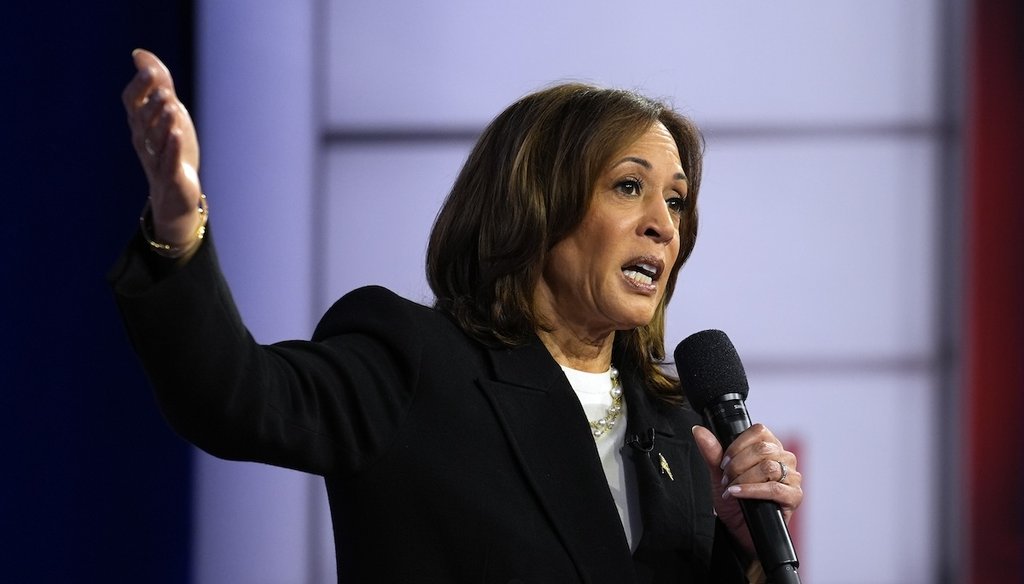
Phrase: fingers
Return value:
(151, 74)
(748, 469)
(151, 105)
(159, 74)
(769, 472)
(135, 92)
(155, 115)
(776, 469)
(757, 456)
(757, 466)
(157, 122)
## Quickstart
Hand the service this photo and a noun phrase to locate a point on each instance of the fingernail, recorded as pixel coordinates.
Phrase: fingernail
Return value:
(733, 489)
(725, 462)
(136, 51)
(725, 480)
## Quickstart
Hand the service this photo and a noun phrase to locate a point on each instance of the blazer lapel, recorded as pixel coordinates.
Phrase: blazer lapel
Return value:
(666, 471)
(548, 432)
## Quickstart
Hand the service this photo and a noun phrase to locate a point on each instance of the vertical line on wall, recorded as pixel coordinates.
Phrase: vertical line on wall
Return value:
(949, 259)
(318, 256)
(318, 232)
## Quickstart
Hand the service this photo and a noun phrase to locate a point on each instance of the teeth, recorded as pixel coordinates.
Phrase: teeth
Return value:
(638, 277)
(648, 268)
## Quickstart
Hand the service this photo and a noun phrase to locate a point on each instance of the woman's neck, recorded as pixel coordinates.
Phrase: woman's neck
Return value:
(577, 351)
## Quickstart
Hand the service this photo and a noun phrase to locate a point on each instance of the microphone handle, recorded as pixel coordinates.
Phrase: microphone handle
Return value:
(728, 419)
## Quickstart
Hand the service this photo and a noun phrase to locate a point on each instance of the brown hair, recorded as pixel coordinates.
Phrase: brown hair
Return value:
(526, 185)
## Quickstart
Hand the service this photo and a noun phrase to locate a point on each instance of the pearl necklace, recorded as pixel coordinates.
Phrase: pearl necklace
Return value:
(600, 426)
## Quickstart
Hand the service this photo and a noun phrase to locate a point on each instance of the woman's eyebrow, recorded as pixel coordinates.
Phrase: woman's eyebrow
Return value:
(646, 164)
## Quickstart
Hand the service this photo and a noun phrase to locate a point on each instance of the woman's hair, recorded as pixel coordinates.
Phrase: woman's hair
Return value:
(526, 185)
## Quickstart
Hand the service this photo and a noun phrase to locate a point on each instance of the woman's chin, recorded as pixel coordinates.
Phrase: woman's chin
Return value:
(636, 319)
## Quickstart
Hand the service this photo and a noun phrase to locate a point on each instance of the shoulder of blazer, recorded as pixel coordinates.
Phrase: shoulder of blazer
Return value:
(375, 308)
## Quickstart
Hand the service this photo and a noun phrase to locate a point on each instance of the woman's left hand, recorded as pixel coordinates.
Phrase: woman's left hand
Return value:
(755, 466)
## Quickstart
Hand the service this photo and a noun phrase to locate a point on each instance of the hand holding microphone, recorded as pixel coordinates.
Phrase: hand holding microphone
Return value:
(755, 483)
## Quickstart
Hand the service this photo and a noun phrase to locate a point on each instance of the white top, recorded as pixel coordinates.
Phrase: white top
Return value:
(594, 393)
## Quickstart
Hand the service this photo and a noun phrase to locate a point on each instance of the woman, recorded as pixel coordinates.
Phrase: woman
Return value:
(520, 430)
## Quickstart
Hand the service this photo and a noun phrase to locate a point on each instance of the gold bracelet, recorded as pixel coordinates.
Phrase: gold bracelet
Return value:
(172, 251)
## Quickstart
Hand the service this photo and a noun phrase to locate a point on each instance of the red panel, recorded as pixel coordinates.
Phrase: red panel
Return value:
(995, 294)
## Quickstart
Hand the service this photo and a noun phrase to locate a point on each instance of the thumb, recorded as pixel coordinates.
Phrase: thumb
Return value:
(711, 450)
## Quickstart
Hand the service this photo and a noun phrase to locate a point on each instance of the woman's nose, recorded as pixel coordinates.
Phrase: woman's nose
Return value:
(658, 223)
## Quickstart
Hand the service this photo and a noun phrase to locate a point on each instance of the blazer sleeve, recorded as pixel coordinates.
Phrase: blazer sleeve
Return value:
(328, 406)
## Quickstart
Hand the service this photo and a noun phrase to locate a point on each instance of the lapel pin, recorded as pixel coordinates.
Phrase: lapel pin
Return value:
(665, 470)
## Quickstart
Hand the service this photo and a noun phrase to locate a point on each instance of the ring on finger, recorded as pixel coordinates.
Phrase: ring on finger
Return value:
(149, 147)
(785, 471)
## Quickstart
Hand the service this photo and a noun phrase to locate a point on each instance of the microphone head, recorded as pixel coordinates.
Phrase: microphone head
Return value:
(709, 368)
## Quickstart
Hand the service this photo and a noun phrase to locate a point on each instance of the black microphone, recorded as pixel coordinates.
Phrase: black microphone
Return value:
(715, 384)
(644, 443)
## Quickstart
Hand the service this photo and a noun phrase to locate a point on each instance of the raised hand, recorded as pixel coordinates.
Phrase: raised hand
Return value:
(165, 141)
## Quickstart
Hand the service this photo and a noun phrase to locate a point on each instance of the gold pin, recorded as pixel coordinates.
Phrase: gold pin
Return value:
(665, 470)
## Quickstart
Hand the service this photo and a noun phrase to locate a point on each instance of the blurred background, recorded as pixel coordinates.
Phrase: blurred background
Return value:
(862, 242)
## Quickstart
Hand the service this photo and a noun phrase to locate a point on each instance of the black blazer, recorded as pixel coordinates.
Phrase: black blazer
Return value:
(445, 460)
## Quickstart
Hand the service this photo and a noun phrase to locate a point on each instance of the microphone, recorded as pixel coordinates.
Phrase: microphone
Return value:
(715, 384)
(644, 443)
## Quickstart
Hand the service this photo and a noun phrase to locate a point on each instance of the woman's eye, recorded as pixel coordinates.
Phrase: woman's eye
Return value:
(676, 204)
(629, 186)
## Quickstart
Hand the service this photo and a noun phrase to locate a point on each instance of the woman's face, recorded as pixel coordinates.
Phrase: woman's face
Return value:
(610, 272)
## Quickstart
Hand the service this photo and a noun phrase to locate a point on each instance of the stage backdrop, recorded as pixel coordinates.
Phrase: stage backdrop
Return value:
(93, 486)
(333, 130)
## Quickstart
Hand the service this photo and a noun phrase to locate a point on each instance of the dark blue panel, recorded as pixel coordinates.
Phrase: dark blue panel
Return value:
(95, 488)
